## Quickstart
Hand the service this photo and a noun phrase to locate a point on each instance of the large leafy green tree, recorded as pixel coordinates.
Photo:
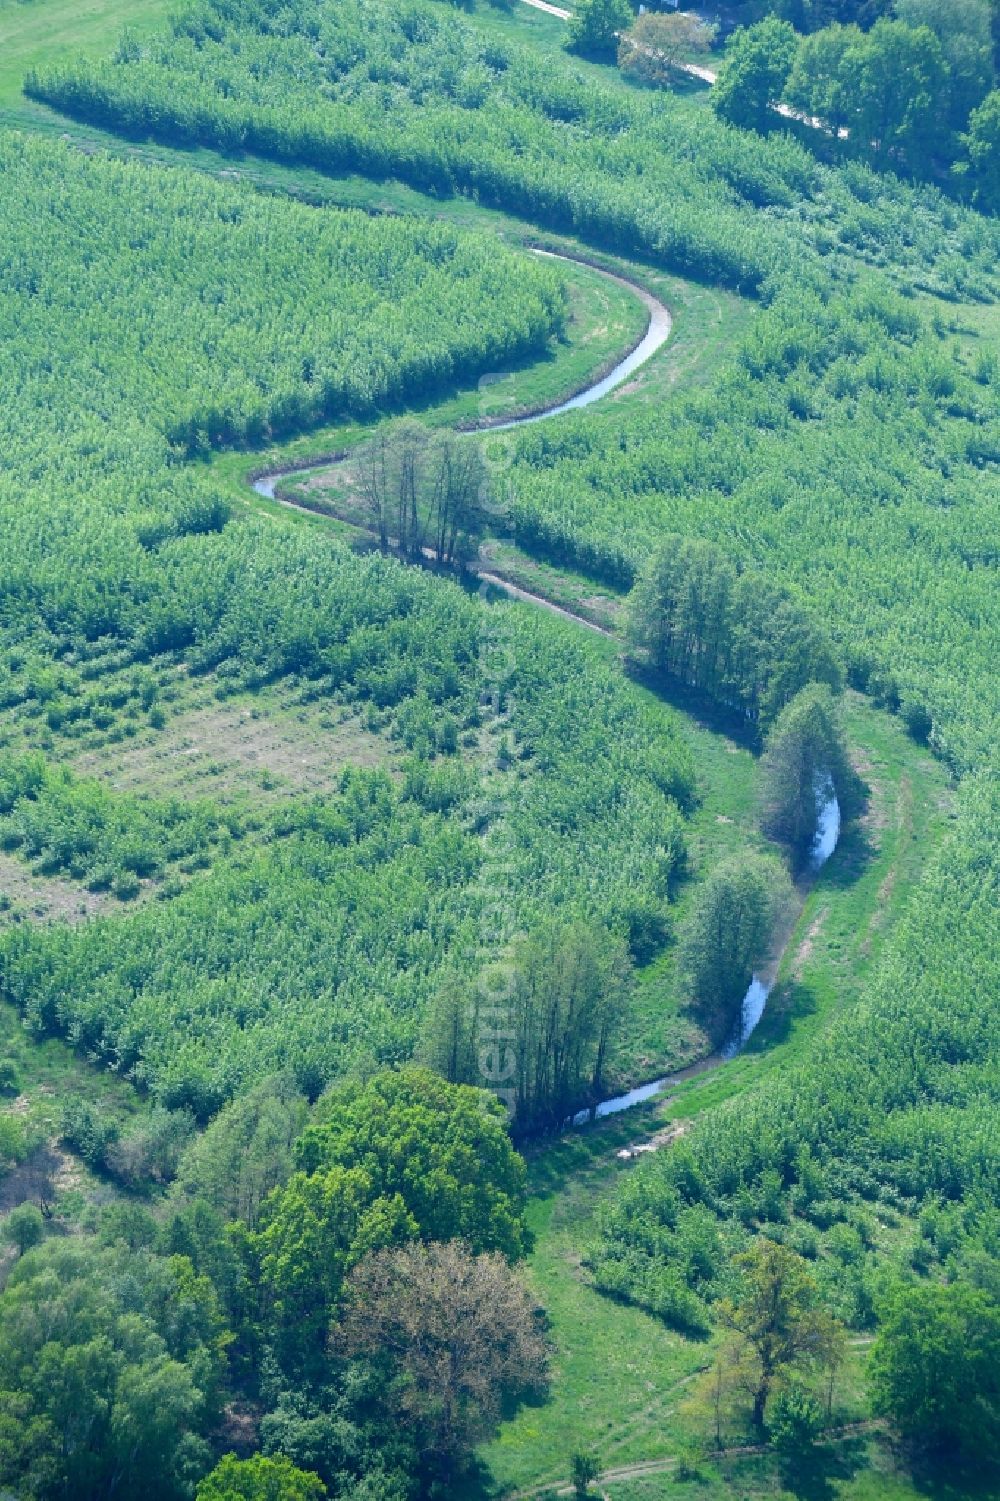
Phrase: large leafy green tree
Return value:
(406, 1156)
(596, 26)
(753, 78)
(818, 84)
(726, 933)
(935, 1370)
(897, 77)
(983, 145)
(110, 1364)
(259, 1479)
(776, 1319)
(962, 28)
(805, 758)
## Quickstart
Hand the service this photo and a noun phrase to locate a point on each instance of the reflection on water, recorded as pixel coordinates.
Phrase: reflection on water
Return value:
(755, 1000)
(751, 1012)
(620, 1102)
(827, 829)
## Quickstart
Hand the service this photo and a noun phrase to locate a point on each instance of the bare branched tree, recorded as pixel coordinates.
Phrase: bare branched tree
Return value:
(459, 1335)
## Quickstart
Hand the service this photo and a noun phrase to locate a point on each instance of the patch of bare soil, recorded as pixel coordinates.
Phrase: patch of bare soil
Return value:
(232, 750)
(45, 898)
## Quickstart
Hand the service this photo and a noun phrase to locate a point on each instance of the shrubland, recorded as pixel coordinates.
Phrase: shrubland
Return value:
(128, 560)
(890, 1116)
(848, 454)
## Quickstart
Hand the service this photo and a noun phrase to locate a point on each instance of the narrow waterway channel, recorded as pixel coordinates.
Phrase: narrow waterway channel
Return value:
(656, 335)
(828, 824)
(754, 1002)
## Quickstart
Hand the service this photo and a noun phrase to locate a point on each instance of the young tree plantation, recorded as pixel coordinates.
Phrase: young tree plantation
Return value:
(499, 817)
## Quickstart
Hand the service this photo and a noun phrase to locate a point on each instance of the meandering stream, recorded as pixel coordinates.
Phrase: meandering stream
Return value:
(828, 824)
(656, 335)
(754, 1002)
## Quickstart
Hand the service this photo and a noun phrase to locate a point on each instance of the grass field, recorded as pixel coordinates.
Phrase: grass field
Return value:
(33, 32)
(624, 1386)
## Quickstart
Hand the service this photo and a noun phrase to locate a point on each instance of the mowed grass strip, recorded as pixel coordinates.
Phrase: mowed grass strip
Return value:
(34, 33)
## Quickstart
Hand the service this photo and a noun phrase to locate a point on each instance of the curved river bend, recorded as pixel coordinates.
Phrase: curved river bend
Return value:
(656, 335)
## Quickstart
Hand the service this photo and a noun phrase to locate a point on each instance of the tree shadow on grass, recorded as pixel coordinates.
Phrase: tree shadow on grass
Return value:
(587, 1150)
(787, 1004)
(852, 857)
(817, 1474)
(946, 1479)
(706, 711)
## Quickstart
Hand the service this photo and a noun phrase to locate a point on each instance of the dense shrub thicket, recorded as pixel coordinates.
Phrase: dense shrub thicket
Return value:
(849, 452)
(418, 95)
(322, 949)
(232, 318)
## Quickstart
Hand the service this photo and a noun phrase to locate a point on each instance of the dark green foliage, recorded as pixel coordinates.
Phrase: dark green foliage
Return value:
(586, 1469)
(540, 1025)
(595, 26)
(805, 759)
(902, 93)
(732, 635)
(935, 1372)
(983, 142)
(753, 77)
(962, 28)
(795, 1420)
(24, 1227)
(406, 1156)
(897, 1101)
(726, 934)
(810, 15)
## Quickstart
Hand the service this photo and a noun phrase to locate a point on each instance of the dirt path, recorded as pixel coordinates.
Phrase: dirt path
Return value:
(707, 75)
(659, 1466)
(428, 556)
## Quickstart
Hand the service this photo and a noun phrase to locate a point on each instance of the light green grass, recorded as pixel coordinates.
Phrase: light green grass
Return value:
(623, 1386)
(41, 32)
